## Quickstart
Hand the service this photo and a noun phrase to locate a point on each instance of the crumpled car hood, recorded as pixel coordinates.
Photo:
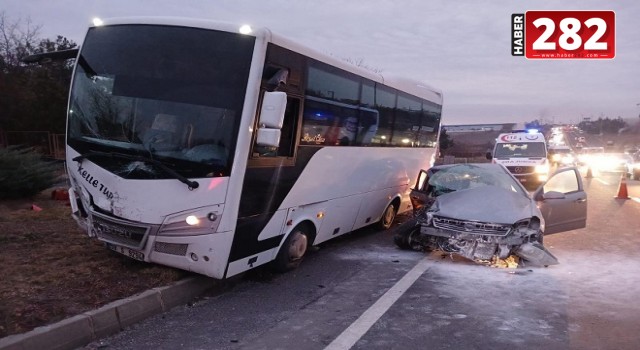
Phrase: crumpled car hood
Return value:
(486, 204)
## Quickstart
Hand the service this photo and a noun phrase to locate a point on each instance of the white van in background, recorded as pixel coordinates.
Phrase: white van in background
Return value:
(524, 154)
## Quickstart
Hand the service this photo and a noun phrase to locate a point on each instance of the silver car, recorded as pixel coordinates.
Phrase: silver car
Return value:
(480, 211)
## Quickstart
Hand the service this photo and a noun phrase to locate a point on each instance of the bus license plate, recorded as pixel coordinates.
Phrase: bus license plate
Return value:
(133, 254)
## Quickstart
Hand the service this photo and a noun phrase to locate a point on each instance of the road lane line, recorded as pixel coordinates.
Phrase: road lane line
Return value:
(360, 326)
(603, 182)
(635, 199)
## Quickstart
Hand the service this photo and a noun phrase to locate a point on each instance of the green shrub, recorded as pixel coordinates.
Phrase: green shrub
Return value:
(23, 173)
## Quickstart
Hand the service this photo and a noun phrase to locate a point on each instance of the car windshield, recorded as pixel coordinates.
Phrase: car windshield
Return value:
(171, 94)
(468, 176)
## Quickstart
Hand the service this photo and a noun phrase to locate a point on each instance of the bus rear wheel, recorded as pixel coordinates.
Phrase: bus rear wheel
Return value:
(388, 216)
(292, 251)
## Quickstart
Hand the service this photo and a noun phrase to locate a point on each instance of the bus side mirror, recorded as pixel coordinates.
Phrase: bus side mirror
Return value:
(268, 137)
(271, 118)
(273, 107)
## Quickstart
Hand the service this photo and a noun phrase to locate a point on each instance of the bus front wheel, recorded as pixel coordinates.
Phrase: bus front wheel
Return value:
(292, 251)
(387, 218)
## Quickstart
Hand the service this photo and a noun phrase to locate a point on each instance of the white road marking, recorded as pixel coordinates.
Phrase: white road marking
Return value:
(603, 182)
(360, 326)
(636, 199)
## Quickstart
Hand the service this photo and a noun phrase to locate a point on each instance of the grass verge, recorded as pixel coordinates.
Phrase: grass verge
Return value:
(51, 270)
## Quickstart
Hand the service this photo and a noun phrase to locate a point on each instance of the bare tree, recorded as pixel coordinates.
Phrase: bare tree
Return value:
(34, 96)
(17, 40)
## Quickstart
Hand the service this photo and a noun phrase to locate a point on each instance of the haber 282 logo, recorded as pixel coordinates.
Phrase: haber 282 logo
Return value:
(563, 34)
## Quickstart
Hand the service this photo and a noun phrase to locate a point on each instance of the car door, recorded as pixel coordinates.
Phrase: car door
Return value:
(419, 196)
(563, 201)
(424, 193)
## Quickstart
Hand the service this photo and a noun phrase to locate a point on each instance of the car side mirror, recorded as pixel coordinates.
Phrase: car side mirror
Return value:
(489, 156)
(553, 195)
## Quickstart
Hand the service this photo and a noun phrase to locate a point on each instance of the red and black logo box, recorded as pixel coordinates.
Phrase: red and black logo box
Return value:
(563, 34)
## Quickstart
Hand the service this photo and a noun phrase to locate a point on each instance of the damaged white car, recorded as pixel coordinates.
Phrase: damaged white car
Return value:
(480, 211)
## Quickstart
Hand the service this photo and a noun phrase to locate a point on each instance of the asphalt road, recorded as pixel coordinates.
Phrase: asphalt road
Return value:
(360, 291)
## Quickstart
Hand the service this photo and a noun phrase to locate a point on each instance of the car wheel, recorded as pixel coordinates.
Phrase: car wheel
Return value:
(293, 250)
(387, 217)
(404, 234)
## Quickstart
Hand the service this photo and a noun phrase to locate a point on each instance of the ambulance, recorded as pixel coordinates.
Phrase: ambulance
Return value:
(524, 154)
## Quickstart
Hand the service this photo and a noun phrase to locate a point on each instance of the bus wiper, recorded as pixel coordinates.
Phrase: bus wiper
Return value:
(191, 184)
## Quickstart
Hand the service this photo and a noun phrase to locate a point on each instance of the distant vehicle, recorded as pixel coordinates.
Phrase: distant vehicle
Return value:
(611, 162)
(582, 139)
(561, 155)
(632, 150)
(556, 139)
(510, 221)
(586, 153)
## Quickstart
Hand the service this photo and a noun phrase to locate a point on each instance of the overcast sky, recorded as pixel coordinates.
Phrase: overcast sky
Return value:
(461, 47)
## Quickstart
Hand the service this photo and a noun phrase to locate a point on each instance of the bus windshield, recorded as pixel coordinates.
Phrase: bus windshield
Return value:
(171, 94)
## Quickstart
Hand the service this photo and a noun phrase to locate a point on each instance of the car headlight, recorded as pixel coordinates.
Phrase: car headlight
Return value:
(542, 168)
(427, 218)
(528, 226)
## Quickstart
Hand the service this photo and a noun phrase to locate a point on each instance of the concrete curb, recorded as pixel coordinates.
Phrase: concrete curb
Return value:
(82, 329)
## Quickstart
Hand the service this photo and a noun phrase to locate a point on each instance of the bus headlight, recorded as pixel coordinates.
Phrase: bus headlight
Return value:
(192, 220)
(199, 221)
